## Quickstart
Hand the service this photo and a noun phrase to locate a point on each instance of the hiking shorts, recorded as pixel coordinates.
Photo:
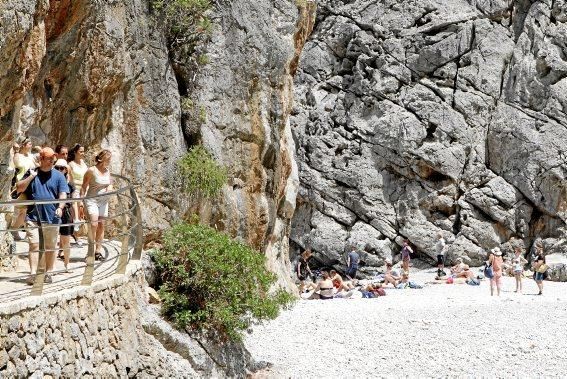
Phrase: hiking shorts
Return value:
(50, 233)
(98, 206)
(440, 259)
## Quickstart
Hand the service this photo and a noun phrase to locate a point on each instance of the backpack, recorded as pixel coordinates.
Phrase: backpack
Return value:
(488, 272)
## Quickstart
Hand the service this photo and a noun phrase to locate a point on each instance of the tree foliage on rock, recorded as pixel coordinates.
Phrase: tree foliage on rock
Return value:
(211, 282)
(201, 175)
(186, 25)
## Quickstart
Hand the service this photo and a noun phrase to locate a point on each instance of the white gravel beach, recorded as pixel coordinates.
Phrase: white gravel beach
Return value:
(438, 331)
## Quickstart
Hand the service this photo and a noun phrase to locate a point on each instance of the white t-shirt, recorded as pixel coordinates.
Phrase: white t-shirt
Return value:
(440, 247)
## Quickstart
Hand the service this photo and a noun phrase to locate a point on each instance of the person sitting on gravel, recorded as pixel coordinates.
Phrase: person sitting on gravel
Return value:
(324, 289)
(373, 290)
(458, 267)
(339, 283)
(391, 276)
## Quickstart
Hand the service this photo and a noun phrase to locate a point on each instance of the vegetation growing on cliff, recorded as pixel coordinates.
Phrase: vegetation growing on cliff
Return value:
(211, 282)
(201, 175)
(185, 23)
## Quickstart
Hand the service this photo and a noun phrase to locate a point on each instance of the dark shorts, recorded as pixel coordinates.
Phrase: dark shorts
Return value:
(539, 276)
(440, 259)
(66, 219)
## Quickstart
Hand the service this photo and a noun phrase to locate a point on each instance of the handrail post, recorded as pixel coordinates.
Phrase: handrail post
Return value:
(124, 249)
(90, 258)
(139, 243)
(37, 288)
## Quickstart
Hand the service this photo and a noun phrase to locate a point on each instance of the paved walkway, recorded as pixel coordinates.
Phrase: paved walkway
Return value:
(13, 284)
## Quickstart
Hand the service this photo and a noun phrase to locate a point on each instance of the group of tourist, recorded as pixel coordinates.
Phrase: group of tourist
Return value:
(43, 173)
(331, 284)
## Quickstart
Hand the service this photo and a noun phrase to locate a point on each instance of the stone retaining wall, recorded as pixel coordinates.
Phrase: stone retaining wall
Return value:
(99, 331)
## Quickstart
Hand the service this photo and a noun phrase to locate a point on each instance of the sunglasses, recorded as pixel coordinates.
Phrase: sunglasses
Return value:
(61, 168)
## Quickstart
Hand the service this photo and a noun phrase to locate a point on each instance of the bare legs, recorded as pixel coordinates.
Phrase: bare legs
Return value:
(518, 276)
(65, 245)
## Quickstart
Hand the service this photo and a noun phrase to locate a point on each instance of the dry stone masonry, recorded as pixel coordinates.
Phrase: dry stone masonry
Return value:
(418, 117)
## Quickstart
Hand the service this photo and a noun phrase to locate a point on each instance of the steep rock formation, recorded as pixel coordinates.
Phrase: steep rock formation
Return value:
(414, 117)
(94, 72)
(98, 73)
(245, 96)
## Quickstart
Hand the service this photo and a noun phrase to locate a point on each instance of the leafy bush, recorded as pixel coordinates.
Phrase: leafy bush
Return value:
(211, 282)
(185, 23)
(200, 173)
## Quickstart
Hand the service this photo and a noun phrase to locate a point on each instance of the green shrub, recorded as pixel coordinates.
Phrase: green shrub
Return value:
(200, 174)
(211, 282)
(185, 23)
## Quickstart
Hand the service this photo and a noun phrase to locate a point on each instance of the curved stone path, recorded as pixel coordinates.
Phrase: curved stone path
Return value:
(13, 284)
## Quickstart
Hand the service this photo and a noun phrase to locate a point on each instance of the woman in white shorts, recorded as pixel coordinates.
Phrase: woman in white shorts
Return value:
(97, 181)
(77, 170)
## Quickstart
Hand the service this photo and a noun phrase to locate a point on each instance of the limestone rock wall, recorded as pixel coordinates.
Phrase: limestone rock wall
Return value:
(107, 330)
(96, 73)
(413, 117)
(245, 94)
(99, 73)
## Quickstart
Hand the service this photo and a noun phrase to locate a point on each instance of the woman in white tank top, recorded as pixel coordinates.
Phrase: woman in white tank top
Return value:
(97, 181)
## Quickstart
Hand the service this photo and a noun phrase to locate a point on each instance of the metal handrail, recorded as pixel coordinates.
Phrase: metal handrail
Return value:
(130, 233)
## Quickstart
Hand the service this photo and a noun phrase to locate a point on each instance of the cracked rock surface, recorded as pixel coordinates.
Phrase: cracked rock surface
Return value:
(418, 117)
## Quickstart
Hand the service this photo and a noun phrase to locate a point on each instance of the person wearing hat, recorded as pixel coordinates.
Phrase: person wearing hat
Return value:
(496, 261)
(44, 183)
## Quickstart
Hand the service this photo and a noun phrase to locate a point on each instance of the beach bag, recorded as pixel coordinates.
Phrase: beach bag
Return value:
(543, 268)
(488, 272)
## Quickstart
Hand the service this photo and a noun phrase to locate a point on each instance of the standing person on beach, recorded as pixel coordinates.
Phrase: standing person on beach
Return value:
(440, 249)
(353, 259)
(496, 261)
(518, 263)
(406, 252)
(303, 270)
(540, 268)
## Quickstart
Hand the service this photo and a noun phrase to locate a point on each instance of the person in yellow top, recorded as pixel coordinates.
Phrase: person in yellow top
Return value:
(77, 170)
(23, 161)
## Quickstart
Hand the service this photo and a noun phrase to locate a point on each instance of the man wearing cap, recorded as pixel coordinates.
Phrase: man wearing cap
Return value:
(45, 183)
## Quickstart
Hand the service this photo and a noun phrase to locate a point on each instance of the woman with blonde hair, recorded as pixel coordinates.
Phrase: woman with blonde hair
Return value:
(23, 161)
(97, 181)
(77, 170)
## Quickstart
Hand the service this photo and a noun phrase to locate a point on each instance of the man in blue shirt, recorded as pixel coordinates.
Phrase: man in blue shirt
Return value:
(352, 263)
(45, 183)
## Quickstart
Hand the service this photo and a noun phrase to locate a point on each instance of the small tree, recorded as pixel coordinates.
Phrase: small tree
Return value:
(201, 175)
(211, 282)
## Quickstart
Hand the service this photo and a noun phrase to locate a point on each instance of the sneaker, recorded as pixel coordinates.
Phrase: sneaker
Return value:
(16, 236)
(99, 257)
(13, 248)
(30, 279)
(47, 279)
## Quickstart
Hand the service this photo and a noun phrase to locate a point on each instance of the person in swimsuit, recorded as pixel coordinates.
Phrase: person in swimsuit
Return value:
(391, 276)
(324, 289)
(339, 283)
(97, 181)
(496, 261)
(518, 263)
(77, 170)
(540, 267)
(406, 252)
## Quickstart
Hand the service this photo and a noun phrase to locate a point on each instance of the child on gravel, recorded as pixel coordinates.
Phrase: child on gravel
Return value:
(518, 263)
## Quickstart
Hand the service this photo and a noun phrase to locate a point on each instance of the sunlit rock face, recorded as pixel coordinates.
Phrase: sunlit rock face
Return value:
(99, 73)
(418, 117)
(94, 73)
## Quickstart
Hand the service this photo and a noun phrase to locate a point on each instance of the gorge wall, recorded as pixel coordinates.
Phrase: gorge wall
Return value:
(99, 73)
(413, 117)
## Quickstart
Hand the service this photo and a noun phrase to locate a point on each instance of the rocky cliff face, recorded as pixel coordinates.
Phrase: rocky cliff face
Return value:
(413, 117)
(94, 72)
(98, 73)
